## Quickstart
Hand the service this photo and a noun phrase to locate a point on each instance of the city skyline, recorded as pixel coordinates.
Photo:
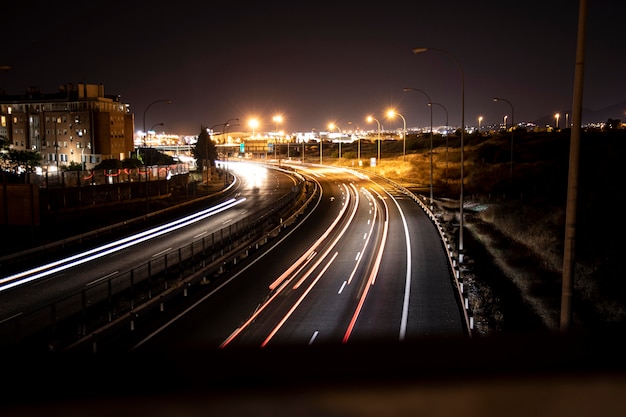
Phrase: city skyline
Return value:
(321, 63)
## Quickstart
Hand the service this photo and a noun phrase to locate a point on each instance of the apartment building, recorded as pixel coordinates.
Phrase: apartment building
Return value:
(78, 124)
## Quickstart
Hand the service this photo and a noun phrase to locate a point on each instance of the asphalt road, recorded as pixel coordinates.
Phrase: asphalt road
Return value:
(367, 265)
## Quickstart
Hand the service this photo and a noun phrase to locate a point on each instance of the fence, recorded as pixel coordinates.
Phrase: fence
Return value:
(92, 310)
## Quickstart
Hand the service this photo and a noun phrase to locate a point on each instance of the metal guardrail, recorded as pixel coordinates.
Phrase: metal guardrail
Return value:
(101, 306)
(448, 246)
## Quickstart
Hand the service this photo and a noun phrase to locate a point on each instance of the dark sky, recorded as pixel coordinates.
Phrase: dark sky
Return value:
(320, 61)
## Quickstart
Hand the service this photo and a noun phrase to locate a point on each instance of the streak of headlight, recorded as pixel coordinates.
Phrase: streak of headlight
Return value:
(307, 254)
(366, 237)
(302, 297)
(66, 263)
(407, 283)
(297, 267)
(258, 311)
(373, 273)
(337, 239)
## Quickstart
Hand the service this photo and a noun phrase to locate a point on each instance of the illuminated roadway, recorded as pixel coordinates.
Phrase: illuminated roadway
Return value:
(367, 264)
(39, 286)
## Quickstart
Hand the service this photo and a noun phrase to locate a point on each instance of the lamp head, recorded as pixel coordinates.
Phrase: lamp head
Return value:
(419, 50)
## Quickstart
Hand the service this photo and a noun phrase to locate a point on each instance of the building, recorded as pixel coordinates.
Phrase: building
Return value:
(79, 124)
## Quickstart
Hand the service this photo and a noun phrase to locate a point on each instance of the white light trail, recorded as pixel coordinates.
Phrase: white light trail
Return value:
(87, 256)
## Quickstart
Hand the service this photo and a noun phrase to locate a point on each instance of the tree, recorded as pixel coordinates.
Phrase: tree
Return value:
(151, 156)
(21, 161)
(612, 124)
(109, 164)
(205, 149)
(132, 163)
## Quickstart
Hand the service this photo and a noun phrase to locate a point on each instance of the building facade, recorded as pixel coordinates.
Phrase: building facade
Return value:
(77, 125)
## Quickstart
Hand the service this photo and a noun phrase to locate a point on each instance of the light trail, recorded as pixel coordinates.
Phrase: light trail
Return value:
(284, 276)
(87, 256)
(297, 303)
(407, 280)
(373, 273)
(366, 237)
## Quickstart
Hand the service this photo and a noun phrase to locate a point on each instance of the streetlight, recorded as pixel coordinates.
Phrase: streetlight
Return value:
(406, 89)
(480, 121)
(253, 124)
(556, 116)
(445, 110)
(226, 124)
(277, 119)
(331, 126)
(369, 120)
(56, 140)
(144, 118)
(391, 114)
(496, 99)
(419, 51)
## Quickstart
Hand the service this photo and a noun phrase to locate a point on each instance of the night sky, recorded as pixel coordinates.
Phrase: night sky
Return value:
(319, 62)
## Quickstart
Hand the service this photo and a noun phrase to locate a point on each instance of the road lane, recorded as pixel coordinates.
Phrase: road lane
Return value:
(410, 294)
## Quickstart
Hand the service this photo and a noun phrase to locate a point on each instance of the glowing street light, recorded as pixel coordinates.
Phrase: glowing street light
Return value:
(253, 124)
(332, 126)
(419, 51)
(407, 89)
(277, 119)
(391, 114)
(144, 118)
(480, 121)
(370, 119)
(556, 116)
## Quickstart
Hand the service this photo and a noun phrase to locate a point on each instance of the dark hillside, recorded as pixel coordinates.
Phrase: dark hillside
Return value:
(532, 215)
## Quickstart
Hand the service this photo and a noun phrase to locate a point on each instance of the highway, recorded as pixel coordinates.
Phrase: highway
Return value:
(367, 265)
(39, 286)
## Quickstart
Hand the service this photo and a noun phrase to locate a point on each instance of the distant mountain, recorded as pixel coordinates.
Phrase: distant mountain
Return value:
(615, 111)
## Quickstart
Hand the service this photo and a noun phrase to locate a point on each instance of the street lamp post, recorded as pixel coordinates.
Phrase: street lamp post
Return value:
(144, 118)
(56, 139)
(407, 89)
(277, 119)
(206, 148)
(446, 111)
(331, 126)
(418, 51)
(391, 114)
(370, 119)
(556, 116)
(496, 99)
(480, 121)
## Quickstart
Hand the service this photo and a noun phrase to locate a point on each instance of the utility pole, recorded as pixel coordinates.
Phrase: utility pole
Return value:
(572, 182)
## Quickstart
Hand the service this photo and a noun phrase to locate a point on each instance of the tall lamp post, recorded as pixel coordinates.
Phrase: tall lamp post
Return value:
(370, 119)
(496, 99)
(419, 51)
(206, 148)
(332, 126)
(391, 114)
(56, 139)
(407, 89)
(144, 118)
(446, 111)
(277, 119)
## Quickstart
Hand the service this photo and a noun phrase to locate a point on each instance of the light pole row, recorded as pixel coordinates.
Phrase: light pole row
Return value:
(419, 51)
